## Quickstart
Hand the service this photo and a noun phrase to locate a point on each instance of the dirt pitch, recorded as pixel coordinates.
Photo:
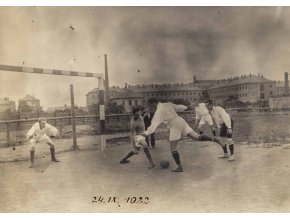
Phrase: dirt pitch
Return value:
(258, 181)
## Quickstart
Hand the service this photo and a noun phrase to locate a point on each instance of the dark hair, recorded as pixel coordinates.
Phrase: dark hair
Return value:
(152, 100)
(136, 109)
(209, 101)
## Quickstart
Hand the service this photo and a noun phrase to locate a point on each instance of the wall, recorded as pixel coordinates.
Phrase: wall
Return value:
(279, 102)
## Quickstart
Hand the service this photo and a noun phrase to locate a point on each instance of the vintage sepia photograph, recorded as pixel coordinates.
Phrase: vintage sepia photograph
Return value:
(138, 109)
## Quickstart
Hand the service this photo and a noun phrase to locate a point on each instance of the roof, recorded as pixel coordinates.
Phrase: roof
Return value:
(206, 82)
(111, 89)
(29, 98)
(127, 93)
(242, 80)
(164, 87)
(94, 90)
(281, 84)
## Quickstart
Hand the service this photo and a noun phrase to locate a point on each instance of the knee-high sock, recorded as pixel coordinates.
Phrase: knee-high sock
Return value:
(131, 153)
(225, 149)
(205, 138)
(175, 156)
(231, 148)
(32, 157)
(152, 136)
(148, 155)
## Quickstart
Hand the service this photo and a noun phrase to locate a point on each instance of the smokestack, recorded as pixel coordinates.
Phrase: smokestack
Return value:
(286, 83)
(107, 82)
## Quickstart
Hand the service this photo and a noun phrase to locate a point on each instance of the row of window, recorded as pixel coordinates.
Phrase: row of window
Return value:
(171, 94)
(229, 89)
(235, 95)
(135, 102)
(131, 102)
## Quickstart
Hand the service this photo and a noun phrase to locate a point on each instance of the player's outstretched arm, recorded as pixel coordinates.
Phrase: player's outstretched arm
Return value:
(156, 121)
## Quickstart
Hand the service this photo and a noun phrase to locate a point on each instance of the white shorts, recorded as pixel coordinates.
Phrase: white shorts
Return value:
(138, 140)
(178, 127)
(206, 119)
(42, 139)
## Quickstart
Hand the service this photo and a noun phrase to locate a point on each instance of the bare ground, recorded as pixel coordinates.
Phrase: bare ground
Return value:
(258, 181)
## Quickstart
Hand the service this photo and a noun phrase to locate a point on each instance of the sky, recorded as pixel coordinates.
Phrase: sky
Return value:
(144, 45)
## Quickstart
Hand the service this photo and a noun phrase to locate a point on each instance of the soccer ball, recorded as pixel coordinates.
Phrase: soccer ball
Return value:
(164, 164)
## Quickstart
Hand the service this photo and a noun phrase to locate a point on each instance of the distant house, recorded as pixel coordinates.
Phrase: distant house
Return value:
(93, 96)
(128, 99)
(280, 85)
(282, 98)
(29, 104)
(7, 105)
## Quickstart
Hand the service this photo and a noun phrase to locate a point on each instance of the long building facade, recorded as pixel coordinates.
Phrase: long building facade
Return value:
(169, 92)
(247, 88)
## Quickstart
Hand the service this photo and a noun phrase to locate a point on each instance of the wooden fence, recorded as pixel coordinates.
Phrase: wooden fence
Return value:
(114, 122)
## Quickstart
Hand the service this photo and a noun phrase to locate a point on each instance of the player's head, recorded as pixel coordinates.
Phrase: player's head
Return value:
(209, 104)
(136, 112)
(152, 104)
(42, 122)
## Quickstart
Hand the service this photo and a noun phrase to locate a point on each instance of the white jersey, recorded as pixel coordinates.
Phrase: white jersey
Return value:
(221, 116)
(201, 110)
(165, 113)
(37, 133)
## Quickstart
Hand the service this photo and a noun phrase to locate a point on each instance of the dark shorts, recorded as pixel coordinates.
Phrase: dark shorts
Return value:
(224, 130)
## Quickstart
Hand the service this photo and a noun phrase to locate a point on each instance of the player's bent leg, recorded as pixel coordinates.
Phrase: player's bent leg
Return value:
(147, 139)
(147, 153)
(231, 147)
(204, 137)
(224, 147)
(52, 152)
(199, 137)
(231, 157)
(135, 151)
(175, 155)
(32, 152)
(125, 159)
(219, 140)
(152, 139)
(192, 134)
